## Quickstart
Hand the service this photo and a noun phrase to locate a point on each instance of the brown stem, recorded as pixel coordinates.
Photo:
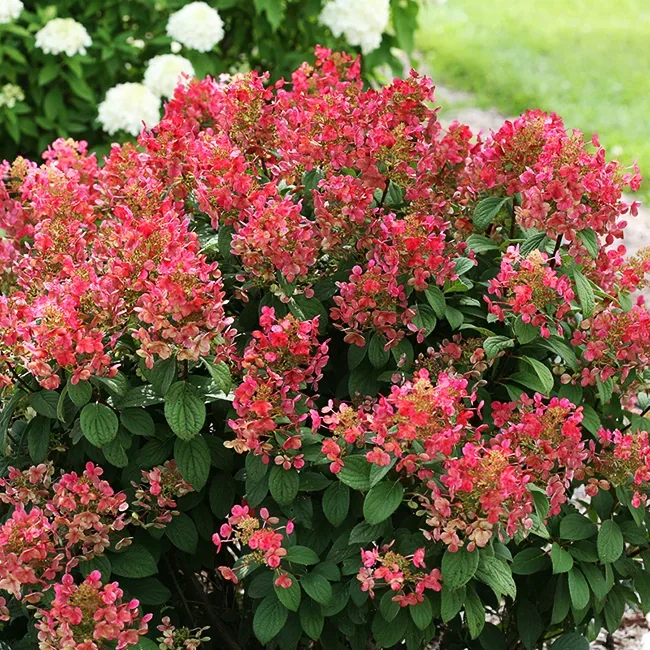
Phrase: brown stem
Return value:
(19, 379)
(558, 243)
(385, 192)
(224, 633)
(188, 609)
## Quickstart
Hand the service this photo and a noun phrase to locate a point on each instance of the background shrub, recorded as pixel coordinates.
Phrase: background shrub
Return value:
(308, 368)
(47, 95)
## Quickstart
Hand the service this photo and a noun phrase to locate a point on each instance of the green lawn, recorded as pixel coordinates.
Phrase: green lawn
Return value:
(588, 60)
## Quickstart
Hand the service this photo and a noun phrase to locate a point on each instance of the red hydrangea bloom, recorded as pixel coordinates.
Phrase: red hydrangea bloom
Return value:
(261, 534)
(156, 496)
(407, 576)
(483, 489)
(86, 616)
(531, 287)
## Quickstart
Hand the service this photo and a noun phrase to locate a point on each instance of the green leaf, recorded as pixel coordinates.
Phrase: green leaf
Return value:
(529, 623)
(424, 319)
(138, 422)
(492, 638)
(571, 641)
(525, 331)
(149, 591)
(115, 453)
(336, 503)
(99, 424)
(474, 612)
(283, 485)
(486, 210)
(561, 559)
(182, 533)
(382, 501)
(376, 353)
(562, 601)
(590, 240)
(184, 410)
(5, 418)
(80, 393)
(610, 542)
(459, 568)
(590, 420)
(481, 244)
(301, 555)
(495, 344)
(140, 396)
(274, 10)
(311, 619)
(38, 438)
(220, 374)
(117, 386)
(99, 563)
(605, 390)
(436, 299)
(578, 588)
(405, 23)
(145, 643)
(290, 596)
(497, 575)
(451, 602)
(45, 402)
(163, 374)
(463, 265)
(356, 473)
(135, 562)
(269, 619)
(316, 587)
(356, 355)
(529, 561)
(575, 527)
(390, 633)
(596, 580)
(543, 373)
(454, 317)
(193, 460)
(537, 241)
(585, 294)
(422, 614)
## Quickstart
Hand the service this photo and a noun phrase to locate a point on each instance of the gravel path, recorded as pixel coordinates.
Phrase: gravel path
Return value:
(634, 633)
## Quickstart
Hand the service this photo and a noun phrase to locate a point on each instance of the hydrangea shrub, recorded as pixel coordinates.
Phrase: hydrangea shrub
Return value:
(307, 369)
(101, 69)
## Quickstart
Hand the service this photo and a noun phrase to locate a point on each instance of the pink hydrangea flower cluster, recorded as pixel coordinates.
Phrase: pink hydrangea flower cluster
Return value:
(54, 525)
(623, 461)
(530, 287)
(421, 421)
(406, 575)
(156, 497)
(88, 615)
(283, 359)
(80, 286)
(261, 534)
(565, 188)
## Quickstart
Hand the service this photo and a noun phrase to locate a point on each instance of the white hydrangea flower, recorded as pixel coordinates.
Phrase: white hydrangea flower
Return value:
(10, 94)
(361, 22)
(10, 10)
(164, 72)
(126, 106)
(197, 26)
(63, 35)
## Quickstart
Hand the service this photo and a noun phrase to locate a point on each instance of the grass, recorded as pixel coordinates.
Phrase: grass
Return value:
(587, 60)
